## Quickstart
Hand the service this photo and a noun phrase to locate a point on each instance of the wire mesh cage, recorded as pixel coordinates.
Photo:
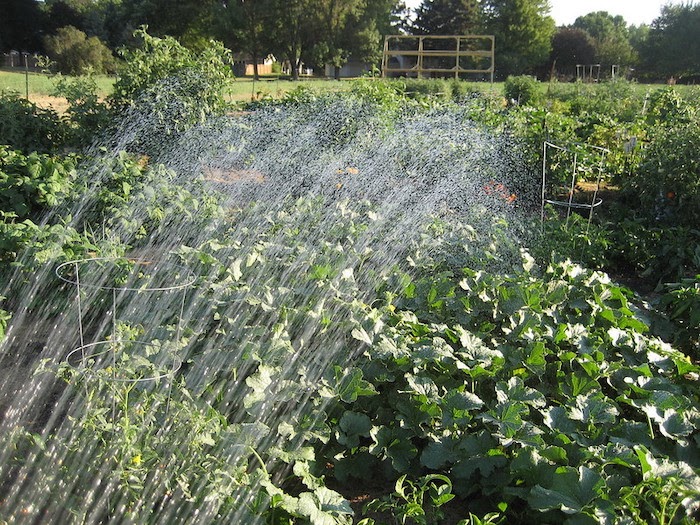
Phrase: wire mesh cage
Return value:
(563, 167)
(129, 317)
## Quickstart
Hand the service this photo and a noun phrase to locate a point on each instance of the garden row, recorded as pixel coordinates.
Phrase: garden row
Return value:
(481, 369)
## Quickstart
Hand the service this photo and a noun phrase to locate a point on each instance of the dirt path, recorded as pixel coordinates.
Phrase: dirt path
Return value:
(58, 104)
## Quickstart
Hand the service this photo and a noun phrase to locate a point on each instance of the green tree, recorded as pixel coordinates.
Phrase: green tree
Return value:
(571, 46)
(378, 18)
(448, 17)
(110, 21)
(242, 26)
(20, 26)
(293, 31)
(62, 13)
(523, 32)
(611, 37)
(672, 47)
(355, 28)
(343, 29)
(189, 21)
(74, 53)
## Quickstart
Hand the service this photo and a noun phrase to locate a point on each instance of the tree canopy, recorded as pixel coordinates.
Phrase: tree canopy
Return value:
(523, 31)
(672, 47)
(610, 37)
(448, 17)
(571, 46)
(322, 32)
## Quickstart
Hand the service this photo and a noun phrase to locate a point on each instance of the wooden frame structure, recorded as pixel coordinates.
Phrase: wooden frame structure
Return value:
(588, 72)
(428, 55)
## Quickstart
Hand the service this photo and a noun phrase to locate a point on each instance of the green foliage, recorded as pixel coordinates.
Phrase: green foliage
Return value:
(88, 116)
(425, 88)
(5, 318)
(531, 394)
(681, 301)
(533, 388)
(523, 31)
(671, 48)
(171, 85)
(522, 90)
(667, 182)
(448, 17)
(611, 38)
(26, 126)
(26, 247)
(416, 502)
(31, 184)
(571, 46)
(589, 244)
(73, 53)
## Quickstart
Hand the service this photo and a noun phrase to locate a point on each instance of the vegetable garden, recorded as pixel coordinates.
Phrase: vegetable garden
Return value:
(346, 308)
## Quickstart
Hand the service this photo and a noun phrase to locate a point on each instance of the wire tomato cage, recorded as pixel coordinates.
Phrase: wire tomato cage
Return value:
(120, 284)
(572, 157)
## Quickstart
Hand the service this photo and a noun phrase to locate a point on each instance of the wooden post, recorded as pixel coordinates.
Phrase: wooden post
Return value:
(26, 73)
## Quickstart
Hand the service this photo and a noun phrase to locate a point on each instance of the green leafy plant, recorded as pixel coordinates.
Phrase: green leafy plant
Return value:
(175, 87)
(88, 116)
(31, 184)
(666, 184)
(521, 90)
(416, 502)
(681, 301)
(27, 127)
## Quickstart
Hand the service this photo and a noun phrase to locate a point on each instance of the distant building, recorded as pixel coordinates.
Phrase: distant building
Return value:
(351, 69)
(243, 65)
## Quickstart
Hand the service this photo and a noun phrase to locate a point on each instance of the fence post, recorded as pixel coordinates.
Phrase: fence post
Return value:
(26, 73)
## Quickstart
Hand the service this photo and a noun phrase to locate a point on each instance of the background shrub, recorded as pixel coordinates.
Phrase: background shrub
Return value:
(164, 88)
(202, 75)
(27, 127)
(74, 53)
(521, 89)
(667, 183)
(88, 115)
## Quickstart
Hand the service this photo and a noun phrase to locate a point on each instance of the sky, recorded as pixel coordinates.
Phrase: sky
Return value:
(635, 12)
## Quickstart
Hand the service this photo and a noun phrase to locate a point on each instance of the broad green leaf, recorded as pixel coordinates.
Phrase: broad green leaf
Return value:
(508, 417)
(423, 386)
(320, 513)
(485, 464)
(395, 445)
(515, 390)
(532, 467)
(361, 334)
(593, 409)
(437, 454)
(536, 360)
(236, 269)
(571, 490)
(353, 426)
(557, 419)
(676, 425)
(457, 400)
(259, 382)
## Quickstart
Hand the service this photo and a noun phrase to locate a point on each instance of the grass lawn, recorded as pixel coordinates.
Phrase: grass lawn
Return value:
(244, 89)
(41, 84)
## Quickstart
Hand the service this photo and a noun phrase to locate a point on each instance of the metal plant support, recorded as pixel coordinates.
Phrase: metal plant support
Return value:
(568, 203)
(119, 283)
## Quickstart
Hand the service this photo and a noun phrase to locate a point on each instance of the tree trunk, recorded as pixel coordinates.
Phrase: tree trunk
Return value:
(256, 75)
(294, 62)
